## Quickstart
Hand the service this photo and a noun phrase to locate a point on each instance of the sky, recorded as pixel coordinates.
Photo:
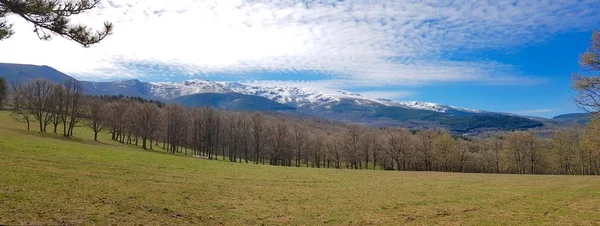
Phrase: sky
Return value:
(499, 55)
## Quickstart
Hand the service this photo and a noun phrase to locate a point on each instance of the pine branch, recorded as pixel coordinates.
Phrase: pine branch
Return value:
(53, 16)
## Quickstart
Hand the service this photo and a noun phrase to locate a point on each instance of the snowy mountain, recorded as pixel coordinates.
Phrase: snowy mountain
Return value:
(172, 90)
(300, 97)
(329, 103)
(324, 103)
(428, 106)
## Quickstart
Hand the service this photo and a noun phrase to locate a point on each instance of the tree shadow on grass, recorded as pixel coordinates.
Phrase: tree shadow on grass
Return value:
(56, 136)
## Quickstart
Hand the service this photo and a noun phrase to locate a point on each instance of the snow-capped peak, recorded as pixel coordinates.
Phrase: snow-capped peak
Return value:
(170, 90)
(297, 96)
(426, 106)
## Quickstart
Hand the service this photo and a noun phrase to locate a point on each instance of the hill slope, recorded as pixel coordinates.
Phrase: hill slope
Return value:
(232, 101)
(78, 181)
(24, 72)
(581, 118)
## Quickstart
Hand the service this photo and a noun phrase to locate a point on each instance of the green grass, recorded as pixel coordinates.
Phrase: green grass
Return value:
(47, 179)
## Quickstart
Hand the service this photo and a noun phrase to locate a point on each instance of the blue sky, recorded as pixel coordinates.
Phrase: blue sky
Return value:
(506, 55)
(551, 62)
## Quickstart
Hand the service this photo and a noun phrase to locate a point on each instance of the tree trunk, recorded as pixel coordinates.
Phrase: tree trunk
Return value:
(65, 129)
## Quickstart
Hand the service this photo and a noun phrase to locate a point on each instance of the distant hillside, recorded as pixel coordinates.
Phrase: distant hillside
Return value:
(23, 72)
(490, 121)
(581, 118)
(127, 88)
(232, 101)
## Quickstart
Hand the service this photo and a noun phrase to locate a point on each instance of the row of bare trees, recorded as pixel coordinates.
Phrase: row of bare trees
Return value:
(49, 104)
(259, 138)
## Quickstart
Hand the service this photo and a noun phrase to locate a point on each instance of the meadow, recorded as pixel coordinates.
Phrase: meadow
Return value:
(48, 179)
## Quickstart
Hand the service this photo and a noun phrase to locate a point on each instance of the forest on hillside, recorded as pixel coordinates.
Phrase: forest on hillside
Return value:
(259, 138)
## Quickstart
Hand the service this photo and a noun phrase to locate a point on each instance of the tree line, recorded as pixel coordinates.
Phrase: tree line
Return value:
(258, 138)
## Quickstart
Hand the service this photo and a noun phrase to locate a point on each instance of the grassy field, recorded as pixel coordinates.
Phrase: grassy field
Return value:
(46, 179)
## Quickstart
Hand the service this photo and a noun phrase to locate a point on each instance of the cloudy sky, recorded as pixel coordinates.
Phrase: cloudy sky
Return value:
(509, 56)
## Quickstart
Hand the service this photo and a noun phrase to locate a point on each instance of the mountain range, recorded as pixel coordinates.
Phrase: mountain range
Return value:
(331, 104)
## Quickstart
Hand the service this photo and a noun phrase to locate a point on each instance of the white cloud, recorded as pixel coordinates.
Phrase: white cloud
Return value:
(360, 43)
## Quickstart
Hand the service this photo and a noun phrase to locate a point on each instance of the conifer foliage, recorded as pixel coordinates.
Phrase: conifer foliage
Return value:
(52, 17)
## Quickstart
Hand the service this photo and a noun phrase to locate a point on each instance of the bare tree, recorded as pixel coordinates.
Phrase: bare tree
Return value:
(19, 105)
(3, 92)
(533, 152)
(36, 99)
(588, 87)
(494, 146)
(278, 132)
(146, 122)
(245, 135)
(96, 116)
(399, 145)
(522, 147)
(233, 136)
(205, 131)
(463, 153)
(366, 146)
(175, 121)
(299, 141)
(116, 120)
(335, 149)
(565, 146)
(377, 143)
(316, 149)
(589, 154)
(58, 105)
(424, 146)
(445, 151)
(76, 104)
(352, 141)
(258, 134)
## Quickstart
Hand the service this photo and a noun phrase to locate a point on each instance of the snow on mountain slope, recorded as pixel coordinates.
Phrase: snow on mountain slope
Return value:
(301, 97)
(171, 90)
(427, 106)
(295, 96)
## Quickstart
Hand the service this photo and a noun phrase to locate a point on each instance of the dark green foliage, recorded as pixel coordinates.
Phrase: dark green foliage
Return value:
(115, 98)
(401, 114)
(487, 121)
(3, 91)
(375, 110)
(52, 17)
(232, 101)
